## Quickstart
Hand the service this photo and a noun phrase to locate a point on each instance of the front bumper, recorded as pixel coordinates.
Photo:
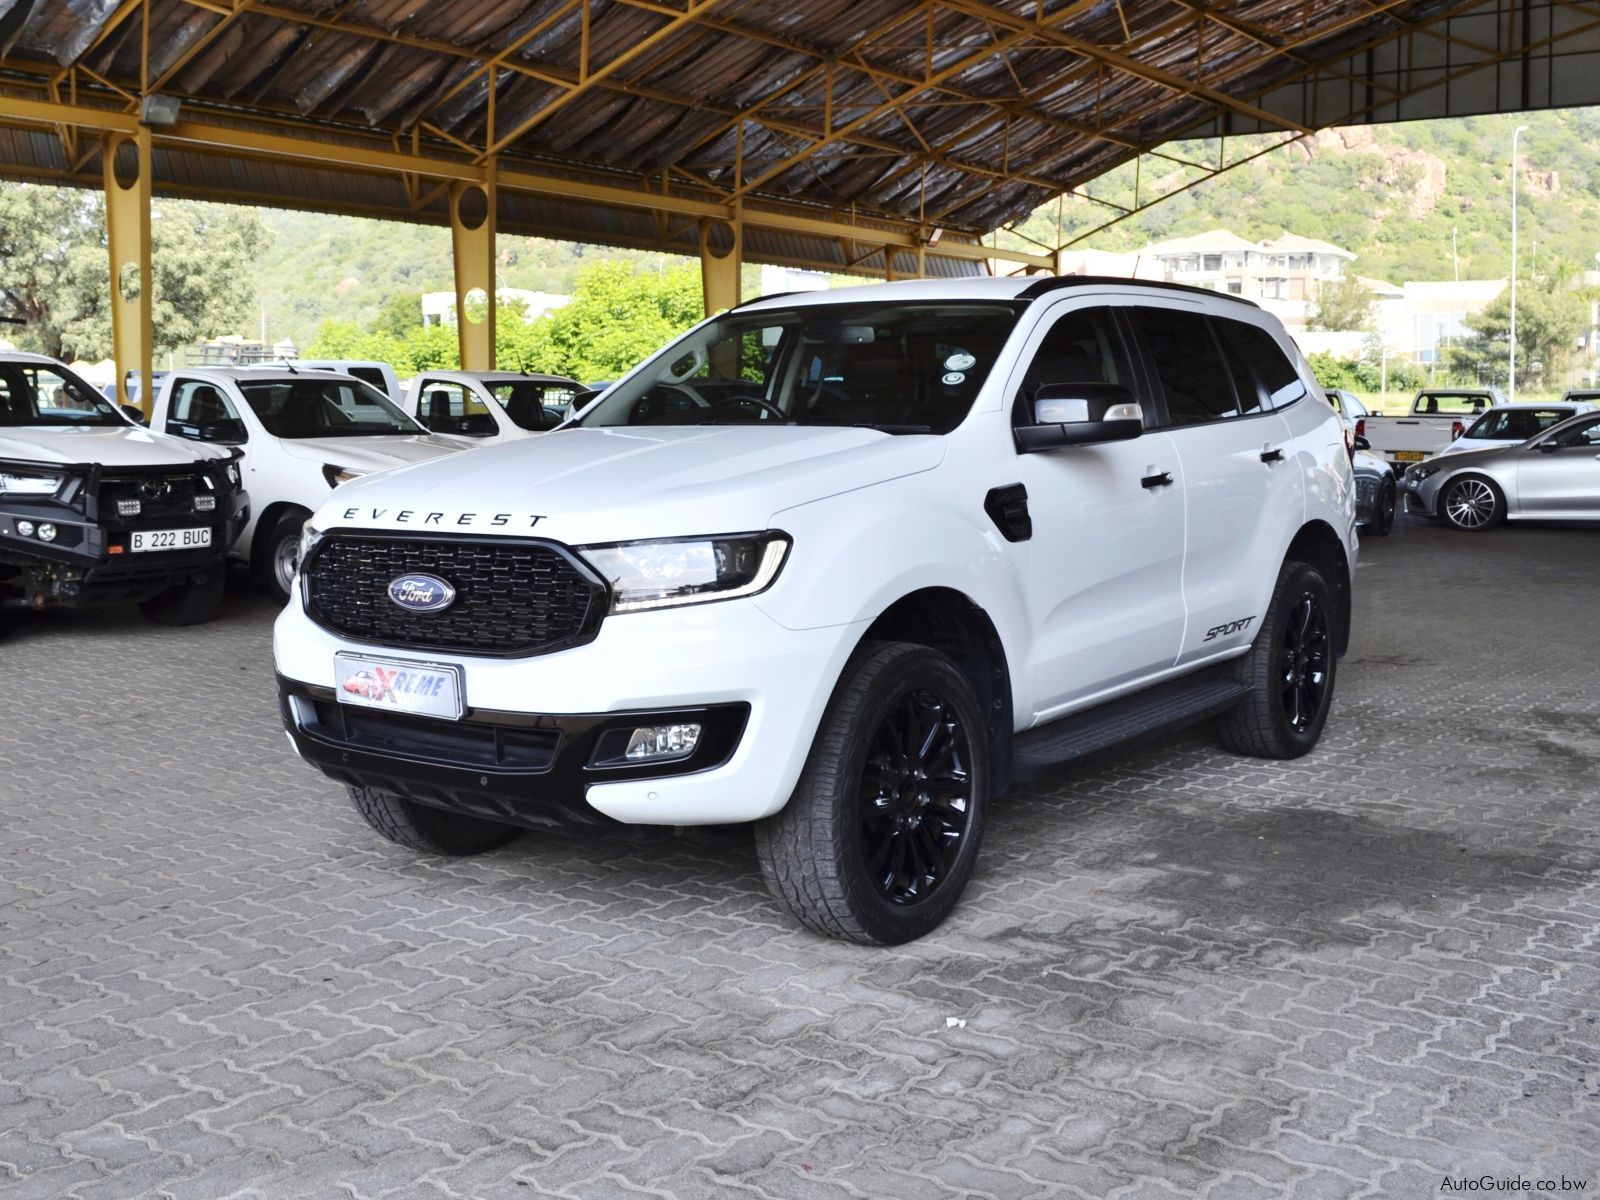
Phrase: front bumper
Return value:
(760, 685)
(1422, 496)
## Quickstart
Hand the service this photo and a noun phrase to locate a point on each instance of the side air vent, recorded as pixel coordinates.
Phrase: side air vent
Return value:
(1008, 509)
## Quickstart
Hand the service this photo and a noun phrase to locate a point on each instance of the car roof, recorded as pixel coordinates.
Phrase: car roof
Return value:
(260, 374)
(497, 376)
(22, 356)
(983, 287)
(1534, 403)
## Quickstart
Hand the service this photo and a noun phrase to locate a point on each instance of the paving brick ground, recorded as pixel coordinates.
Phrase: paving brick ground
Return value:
(1181, 974)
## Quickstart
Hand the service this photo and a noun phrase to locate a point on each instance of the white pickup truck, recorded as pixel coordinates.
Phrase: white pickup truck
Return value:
(1438, 416)
(490, 406)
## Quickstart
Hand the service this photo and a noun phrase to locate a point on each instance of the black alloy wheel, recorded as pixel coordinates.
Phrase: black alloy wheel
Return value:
(1306, 652)
(916, 797)
(1383, 519)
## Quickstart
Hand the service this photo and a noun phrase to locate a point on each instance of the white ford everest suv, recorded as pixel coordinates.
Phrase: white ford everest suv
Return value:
(302, 433)
(96, 509)
(846, 565)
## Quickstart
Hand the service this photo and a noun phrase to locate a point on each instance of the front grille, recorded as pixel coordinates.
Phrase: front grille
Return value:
(512, 597)
(458, 744)
(158, 495)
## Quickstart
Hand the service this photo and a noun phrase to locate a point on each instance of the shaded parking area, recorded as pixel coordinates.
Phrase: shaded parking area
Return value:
(1178, 973)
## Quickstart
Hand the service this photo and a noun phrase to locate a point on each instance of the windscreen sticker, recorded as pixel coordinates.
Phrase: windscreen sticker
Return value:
(954, 378)
(960, 361)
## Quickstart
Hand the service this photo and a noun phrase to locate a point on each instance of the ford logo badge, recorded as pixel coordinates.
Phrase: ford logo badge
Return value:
(421, 593)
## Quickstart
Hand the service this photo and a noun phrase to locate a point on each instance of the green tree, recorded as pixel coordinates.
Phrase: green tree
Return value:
(1549, 324)
(1341, 304)
(400, 314)
(56, 270)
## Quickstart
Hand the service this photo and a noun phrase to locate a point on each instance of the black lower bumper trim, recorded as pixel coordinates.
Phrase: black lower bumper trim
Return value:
(523, 769)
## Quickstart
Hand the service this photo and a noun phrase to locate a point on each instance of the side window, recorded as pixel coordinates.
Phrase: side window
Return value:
(1586, 435)
(198, 406)
(447, 407)
(1189, 364)
(1273, 371)
(1083, 346)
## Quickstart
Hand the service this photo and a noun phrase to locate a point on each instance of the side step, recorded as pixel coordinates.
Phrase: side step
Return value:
(1160, 709)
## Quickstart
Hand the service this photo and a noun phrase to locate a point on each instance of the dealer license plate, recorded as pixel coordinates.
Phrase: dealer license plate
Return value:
(399, 685)
(1409, 456)
(169, 539)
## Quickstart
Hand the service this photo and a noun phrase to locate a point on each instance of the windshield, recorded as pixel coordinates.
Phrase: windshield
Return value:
(308, 408)
(1516, 424)
(35, 394)
(533, 404)
(901, 368)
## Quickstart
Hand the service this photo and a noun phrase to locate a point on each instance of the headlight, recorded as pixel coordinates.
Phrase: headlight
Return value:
(337, 475)
(1418, 473)
(660, 574)
(17, 483)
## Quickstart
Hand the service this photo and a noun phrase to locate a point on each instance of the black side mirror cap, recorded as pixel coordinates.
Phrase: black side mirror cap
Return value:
(1362, 443)
(1080, 414)
(134, 414)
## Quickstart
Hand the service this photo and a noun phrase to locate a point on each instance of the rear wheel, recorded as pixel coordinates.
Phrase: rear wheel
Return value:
(1472, 504)
(275, 556)
(881, 834)
(1290, 671)
(430, 830)
(187, 603)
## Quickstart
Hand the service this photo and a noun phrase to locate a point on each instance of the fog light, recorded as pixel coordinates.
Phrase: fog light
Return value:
(655, 742)
(204, 503)
(25, 528)
(47, 533)
(128, 508)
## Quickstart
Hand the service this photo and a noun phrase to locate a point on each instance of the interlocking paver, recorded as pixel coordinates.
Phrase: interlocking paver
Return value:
(1182, 973)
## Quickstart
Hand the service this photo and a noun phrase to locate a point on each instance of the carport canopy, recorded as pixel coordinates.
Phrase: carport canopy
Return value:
(879, 137)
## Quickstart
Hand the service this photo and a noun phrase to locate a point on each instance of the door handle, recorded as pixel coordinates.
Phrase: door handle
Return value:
(1271, 456)
(1164, 479)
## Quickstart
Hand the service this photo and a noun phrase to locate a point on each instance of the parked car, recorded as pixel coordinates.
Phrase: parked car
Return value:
(844, 568)
(378, 374)
(1554, 476)
(1515, 423)
(490, 405)
(1349, 407)
(303, 433)
(1438, 416)
(95, 509)
(1376, 490)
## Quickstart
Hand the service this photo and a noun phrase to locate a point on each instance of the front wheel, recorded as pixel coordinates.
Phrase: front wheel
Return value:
(187, 603)
(1472, 504)
(1290, 671)
(276, 555)
(1383, 514)
(881, 834)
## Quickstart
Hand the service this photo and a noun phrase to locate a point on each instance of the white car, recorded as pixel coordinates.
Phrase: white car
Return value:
(490, 406)
(379, 374)
(1507, 424)
(845, 566)
(303, 433)
(96, 509)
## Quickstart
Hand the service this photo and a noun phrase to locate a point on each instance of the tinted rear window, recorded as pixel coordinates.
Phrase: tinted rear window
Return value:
(1266, 358)
(1196, 382)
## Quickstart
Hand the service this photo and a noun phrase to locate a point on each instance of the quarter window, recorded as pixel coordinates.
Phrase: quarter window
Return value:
(1270, 365)
(1586, 435)
(1189, 365)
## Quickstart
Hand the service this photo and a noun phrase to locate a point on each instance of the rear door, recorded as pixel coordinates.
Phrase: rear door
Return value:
(1564, 480)
(1104, 565)
(1220, 381)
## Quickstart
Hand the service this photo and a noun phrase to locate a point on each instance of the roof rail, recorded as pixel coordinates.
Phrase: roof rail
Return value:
(1051, 283)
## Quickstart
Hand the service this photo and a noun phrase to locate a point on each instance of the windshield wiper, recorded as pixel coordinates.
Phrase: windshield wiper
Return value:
(881, 428)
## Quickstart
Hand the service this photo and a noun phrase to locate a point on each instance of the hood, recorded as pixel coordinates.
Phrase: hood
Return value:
(108, 445)
(615, 484)
(376, 453)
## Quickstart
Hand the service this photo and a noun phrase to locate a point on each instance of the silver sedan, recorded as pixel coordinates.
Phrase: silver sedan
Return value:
(1552, 477)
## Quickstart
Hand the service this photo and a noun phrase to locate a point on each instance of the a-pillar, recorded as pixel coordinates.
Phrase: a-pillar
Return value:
(472, 211)
(721, 257)
(127, 186)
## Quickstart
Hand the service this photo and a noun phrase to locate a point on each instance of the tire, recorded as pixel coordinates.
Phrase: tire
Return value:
(1291, 670)
(430, 830)
(867, 849)
(1472, 504)
(187, 603)
(275, 557)
(1382, 523)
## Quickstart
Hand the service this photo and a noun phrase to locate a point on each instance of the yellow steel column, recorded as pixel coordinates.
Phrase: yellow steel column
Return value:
(721, 257)
(472, 224)
(127, 187)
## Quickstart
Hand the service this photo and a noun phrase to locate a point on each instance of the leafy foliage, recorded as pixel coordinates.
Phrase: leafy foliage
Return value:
(1549, 326)
(1344, 304)
(55, 270)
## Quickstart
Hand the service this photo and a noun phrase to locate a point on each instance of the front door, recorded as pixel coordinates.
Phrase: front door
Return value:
(1564, 480)
(1104, 567)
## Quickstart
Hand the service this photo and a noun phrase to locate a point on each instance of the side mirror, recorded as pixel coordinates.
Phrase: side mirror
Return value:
(134, 414)
(1080, 414)
(229, 431)
(1549, 447)
(1362, 443)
